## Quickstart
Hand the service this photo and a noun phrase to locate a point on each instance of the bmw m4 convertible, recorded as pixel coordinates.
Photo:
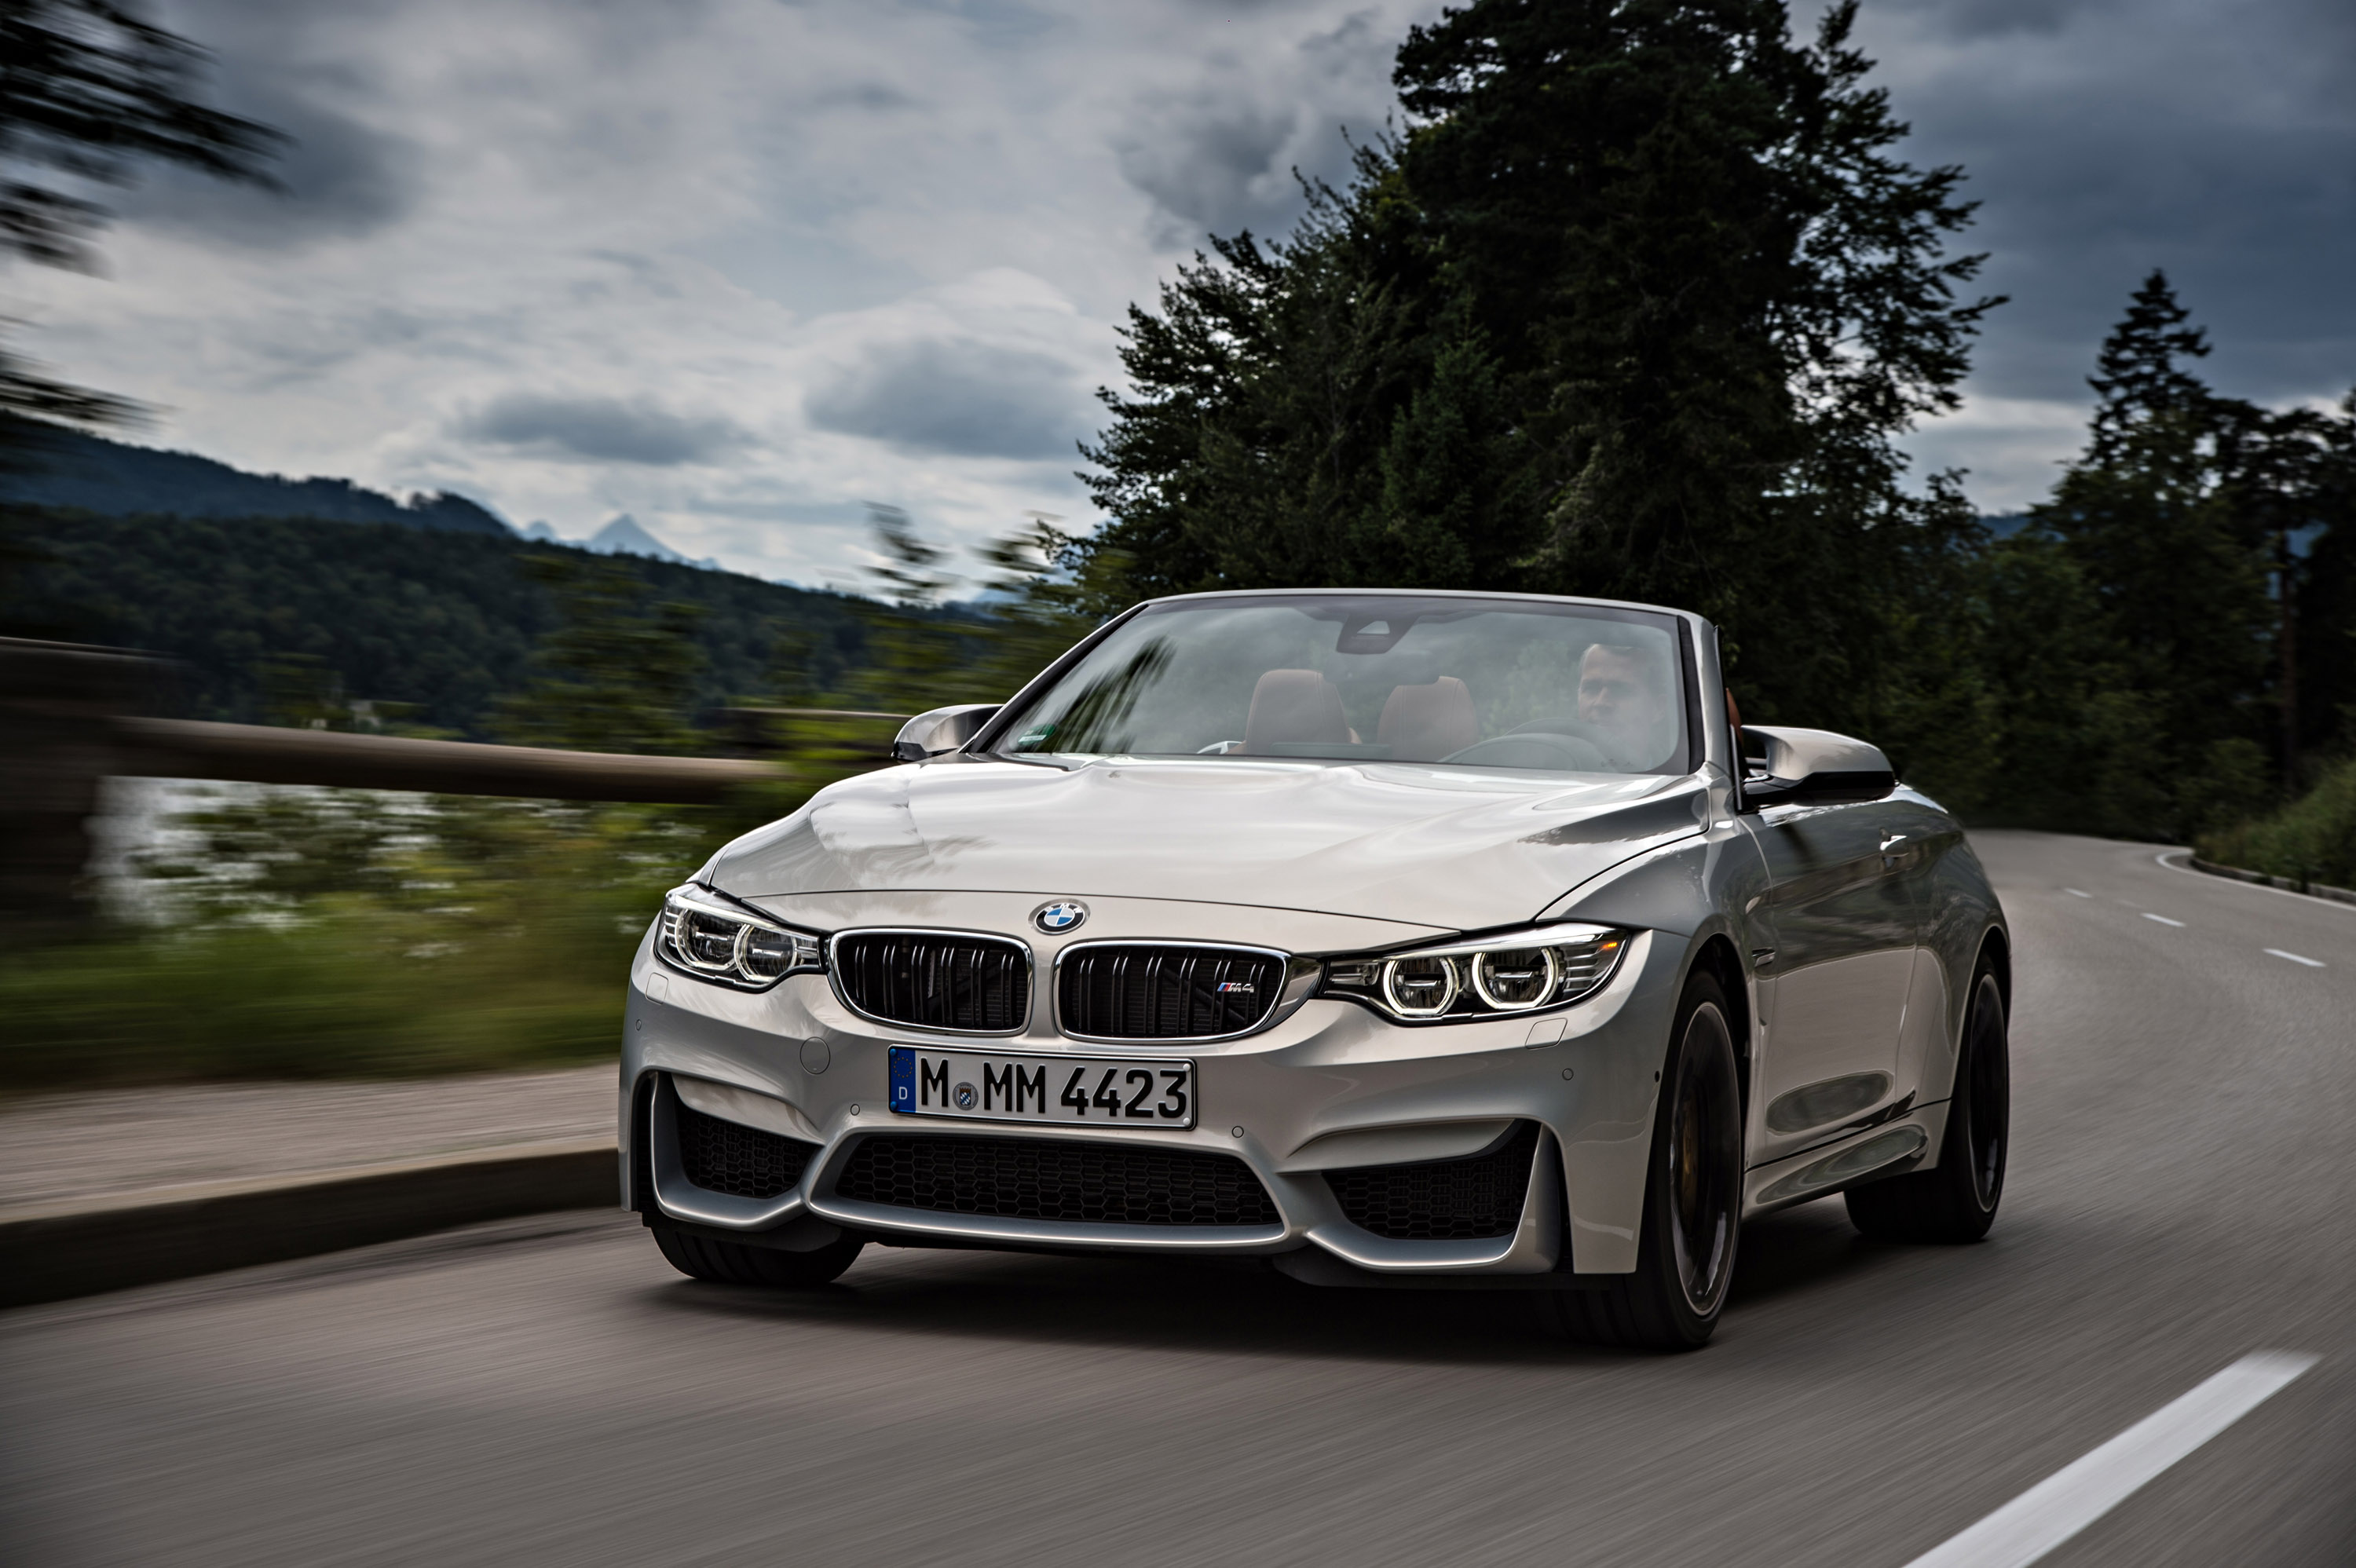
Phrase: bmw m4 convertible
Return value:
(1396, 939)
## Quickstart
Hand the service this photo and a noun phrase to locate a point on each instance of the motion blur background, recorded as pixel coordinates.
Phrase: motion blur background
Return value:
(1984, 370)
(820, 293)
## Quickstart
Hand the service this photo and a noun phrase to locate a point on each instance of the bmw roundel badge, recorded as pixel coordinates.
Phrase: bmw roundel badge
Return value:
(1063, 914)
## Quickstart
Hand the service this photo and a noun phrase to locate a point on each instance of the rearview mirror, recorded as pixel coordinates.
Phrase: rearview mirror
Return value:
(941, 731)
(1785, 766)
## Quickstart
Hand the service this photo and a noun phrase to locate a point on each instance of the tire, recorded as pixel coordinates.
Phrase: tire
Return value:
(1693, 1197)
(733, 1262)
(1956, 1199)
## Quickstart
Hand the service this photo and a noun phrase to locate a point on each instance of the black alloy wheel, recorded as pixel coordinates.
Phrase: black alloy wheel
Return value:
(1693, 1197)
(1956, 1199)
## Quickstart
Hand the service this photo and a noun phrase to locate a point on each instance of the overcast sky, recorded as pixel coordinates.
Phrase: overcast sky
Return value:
(737, 266)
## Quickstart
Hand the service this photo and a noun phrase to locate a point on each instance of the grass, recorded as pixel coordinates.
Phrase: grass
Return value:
(2313, 840)
(340, 934)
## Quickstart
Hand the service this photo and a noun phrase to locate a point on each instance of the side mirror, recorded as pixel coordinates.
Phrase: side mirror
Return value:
(942, 729)
(1785, 766)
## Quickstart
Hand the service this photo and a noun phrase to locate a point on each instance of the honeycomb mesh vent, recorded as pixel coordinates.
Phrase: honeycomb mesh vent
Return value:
(743, 1162)
(1035, 1178)
(1165, 993)
(1443, 1199)
(975, 984)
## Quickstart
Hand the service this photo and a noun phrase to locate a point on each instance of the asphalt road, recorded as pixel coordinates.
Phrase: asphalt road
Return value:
(2185, 1122)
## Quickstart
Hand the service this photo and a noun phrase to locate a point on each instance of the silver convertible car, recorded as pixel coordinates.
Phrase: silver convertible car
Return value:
(1398, 939)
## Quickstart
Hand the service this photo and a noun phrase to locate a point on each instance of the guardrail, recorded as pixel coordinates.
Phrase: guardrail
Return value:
(259, 753)
(70, 715)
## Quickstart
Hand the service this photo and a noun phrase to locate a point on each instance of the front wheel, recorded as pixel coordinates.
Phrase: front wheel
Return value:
(733, 1262)
(1955, 1200)
(1693, 1197)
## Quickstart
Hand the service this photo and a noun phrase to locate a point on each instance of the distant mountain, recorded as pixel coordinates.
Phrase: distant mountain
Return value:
(113, 479)
(622, 536)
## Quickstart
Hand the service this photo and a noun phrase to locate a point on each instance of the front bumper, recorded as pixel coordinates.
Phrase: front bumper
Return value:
(1334, 1085)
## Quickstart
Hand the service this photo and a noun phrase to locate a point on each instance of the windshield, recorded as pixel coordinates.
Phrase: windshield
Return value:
(1470, 682)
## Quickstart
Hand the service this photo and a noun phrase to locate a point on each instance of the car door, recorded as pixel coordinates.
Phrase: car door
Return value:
(1843, 918)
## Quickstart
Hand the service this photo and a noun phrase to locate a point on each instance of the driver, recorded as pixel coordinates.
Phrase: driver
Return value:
(1623, 699)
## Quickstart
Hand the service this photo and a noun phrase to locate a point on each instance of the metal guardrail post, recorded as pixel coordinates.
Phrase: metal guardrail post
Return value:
(57, 702)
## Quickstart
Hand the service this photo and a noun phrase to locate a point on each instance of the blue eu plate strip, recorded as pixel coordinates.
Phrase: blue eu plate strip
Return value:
(903, 1079)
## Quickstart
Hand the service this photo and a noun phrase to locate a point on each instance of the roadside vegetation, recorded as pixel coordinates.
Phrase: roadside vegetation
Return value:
(1639, 301)
(2313, 840)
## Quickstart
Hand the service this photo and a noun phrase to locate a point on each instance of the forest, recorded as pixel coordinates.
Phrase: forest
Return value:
(434, 629)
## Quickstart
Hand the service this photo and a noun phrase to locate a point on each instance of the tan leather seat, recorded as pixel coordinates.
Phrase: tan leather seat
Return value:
(1425, 723)
(1297, 706)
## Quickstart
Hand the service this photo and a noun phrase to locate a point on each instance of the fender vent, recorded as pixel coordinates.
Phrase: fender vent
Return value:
(743, 1162)
(1442, 1200)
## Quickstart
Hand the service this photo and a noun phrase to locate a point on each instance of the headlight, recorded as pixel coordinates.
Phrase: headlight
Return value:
(714, 939)
(1517, 973)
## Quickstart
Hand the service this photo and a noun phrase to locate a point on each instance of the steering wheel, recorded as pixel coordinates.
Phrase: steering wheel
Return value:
(1531, 749)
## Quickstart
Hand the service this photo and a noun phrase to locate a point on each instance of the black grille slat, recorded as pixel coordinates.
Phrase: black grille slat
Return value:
(972, 984)
(1039, 1179)
(1444, 1200)
(743, 1162)
(1164, 993)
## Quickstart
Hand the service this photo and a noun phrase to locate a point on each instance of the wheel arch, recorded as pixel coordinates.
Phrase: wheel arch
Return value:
(1996, 948)
(1715, 954)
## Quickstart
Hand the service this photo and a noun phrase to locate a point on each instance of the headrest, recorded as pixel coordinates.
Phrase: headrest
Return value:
(1425, 723)
(1294, 705)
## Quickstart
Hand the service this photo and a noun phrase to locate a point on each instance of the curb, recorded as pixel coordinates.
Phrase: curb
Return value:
(2312, 890)
(58, 1251)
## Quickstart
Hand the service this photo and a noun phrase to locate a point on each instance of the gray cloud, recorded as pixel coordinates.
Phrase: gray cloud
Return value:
(958, 397)
(2105, 139)
(342, 181)
(283, 65)
(1220, 156)
(604, 430)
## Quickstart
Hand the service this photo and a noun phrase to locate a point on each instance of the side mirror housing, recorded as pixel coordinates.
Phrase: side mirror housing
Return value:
(941, 731)
(1785, 766)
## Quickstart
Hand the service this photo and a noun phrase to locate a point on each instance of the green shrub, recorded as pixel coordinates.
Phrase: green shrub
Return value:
(344, 933)
(2313, 840)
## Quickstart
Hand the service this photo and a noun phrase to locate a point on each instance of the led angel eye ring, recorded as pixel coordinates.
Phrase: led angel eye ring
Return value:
(1486, 979)
(1445, 980)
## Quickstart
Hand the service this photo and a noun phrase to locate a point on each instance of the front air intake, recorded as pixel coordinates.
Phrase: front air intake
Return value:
(1055, 1180)
(1167, 992)
(741, 1161)
(943, 980)
(1442, 1199)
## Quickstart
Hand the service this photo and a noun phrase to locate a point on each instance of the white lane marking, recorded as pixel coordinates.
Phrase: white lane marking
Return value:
(2161, 918)
(2310, 963)
(2254, 887)
(2076, 894)
(2078, 1494)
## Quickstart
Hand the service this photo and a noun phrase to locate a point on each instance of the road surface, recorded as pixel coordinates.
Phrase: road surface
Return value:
(550, 1393)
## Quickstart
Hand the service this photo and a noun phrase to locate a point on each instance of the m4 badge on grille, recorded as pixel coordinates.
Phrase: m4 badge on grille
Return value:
(1234, 988)
(1063, 914)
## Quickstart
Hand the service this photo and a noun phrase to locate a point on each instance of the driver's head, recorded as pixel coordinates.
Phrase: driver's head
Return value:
(1624, 693)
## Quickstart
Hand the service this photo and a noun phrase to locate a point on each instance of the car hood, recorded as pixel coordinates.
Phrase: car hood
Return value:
(1458, 848)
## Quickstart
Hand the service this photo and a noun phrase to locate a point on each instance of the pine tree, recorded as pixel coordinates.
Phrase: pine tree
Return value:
(1635, 306)
(2175, 570)
(2138, 377)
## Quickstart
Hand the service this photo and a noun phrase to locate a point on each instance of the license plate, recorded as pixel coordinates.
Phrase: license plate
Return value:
(1081, 1091)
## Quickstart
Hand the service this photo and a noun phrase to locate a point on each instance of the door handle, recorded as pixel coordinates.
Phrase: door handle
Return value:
(1892, 838)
